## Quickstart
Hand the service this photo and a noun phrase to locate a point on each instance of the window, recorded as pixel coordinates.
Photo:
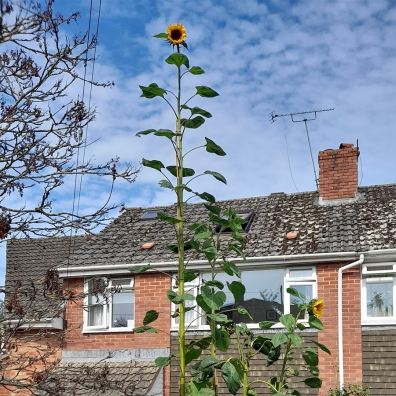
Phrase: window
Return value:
(378, 293)
(149, 215)
(109, 306)
(246, 217)
(265, 297)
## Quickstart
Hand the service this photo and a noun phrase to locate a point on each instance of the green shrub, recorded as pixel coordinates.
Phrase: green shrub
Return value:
(350, 390)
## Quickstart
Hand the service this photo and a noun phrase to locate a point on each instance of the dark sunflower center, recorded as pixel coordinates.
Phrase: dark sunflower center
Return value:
(176, 34)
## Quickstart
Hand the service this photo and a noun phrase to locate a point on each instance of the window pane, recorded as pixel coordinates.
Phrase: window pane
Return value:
(264, 294)
(95, 315)
(121, 282)
(300, 273)
(379, 299)
(122, 309)
(305, 290)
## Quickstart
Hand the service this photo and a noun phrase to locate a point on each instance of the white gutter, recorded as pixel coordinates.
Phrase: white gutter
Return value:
(78, 271)
(340, 321)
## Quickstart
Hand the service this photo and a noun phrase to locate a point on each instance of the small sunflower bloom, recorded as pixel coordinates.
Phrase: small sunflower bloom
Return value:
(316, 308)
(176, 33)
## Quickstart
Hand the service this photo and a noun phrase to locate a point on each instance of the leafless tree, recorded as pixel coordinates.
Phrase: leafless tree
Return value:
(42, 145)
(41, 124)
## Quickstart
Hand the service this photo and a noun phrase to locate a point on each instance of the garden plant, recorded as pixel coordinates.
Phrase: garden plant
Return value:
(204, 362)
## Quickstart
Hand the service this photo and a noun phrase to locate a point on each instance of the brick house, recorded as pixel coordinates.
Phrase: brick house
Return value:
(338, 244)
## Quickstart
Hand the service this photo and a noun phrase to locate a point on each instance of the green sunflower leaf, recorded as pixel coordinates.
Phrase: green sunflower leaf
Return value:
(216, 175)
(313, 382)
(168, 219)
(322, 347)
(207, 197)
(162, 361)
(231, 377)
(197, 70)
(212, 147)
(315, 322)
(222, 340)
(150, 317)
(155, 164)
(157, 132)
(152, 91)
(237, 289)
(145, 132)
(166, 184)
(193, 123)
(187, 172)
(197, 110)
(139, 269)
(178, 60)
(206, 92)
(161, 36)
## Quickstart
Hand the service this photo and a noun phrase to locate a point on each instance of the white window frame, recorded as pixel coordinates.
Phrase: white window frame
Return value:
(388, 275)
(107, 308)
(288, 281)
(299, 281)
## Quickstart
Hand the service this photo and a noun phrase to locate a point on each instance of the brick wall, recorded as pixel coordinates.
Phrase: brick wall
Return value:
(338, 172)
(258, 368)
(327, 289)
(42, 348)
(150, 293)
(379, 360)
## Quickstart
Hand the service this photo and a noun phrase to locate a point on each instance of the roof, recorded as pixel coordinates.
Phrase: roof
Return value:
(135, 378)
(29, 261)
(367, 223)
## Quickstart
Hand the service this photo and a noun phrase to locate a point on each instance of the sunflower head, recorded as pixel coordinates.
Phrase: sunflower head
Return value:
(176, 33)
(316, 307)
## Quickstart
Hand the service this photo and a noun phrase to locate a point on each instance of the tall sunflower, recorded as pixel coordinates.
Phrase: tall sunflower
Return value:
(176, 33)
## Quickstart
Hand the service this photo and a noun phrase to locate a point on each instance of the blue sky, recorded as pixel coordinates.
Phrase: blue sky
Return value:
(261, 56)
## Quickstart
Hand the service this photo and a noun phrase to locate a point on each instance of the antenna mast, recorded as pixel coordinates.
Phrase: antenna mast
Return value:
(305, 117)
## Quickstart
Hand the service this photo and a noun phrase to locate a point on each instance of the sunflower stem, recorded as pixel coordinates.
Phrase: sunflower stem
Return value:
(180, 237)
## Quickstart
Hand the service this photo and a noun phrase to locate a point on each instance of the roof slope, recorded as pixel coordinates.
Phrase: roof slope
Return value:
(29, 280)
(367, 223)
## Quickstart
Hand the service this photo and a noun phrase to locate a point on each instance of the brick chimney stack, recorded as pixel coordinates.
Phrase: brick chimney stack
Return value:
(338, 172)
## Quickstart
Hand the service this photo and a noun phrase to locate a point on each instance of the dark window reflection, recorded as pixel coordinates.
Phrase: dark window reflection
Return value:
(263, 296)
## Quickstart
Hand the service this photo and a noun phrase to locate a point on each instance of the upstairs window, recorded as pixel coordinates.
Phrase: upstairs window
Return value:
(109, 305)
(378, 293)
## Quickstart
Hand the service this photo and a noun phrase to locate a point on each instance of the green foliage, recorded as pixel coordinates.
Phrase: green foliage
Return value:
(178, 60)
(162, 361)
(152, 91)
(196, 70)
(350, 390)
(212, 147)
(204, 239)
(150, 317)
(206, 92)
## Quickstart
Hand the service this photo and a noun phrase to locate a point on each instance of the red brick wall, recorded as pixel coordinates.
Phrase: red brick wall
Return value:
(338, 172)
(327, 289)
(150, 293)
(42, 348)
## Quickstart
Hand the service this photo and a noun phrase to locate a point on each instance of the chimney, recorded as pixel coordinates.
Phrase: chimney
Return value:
(338, 172)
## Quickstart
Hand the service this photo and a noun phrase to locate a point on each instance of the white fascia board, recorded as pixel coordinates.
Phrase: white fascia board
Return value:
(46, 323)
(251, 262)
(371, 256)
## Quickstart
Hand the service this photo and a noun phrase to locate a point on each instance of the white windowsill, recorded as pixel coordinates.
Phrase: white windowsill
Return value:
(379, 322)
(111, 330)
